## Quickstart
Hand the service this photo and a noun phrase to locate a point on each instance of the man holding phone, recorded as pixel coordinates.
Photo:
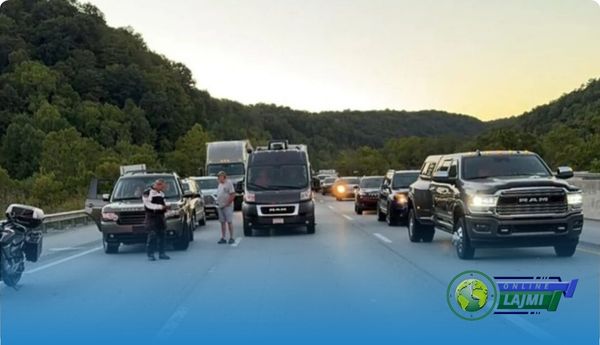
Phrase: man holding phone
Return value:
(155, 206)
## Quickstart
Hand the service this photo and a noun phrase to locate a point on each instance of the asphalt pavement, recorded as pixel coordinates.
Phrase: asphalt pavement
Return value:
(355, 281)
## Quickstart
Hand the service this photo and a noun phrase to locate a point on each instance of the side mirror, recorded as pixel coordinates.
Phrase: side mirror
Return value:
(249, 151)
(442, 177)
(564, 173)
(106, 197)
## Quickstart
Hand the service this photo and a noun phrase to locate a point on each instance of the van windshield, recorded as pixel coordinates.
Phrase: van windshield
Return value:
(277, 177)
(231, 169)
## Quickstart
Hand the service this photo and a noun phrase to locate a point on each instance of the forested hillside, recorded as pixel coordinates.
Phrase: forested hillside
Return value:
(79, 98)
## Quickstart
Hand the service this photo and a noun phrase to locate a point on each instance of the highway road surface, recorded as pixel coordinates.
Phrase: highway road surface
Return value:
(355, 281)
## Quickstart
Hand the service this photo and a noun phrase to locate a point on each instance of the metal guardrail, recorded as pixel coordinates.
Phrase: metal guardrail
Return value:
(584, 175)
(64, 220)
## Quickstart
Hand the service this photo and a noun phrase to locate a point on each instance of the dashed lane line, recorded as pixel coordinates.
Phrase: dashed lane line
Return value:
(382, 238)
(348, 217)
(61, 261)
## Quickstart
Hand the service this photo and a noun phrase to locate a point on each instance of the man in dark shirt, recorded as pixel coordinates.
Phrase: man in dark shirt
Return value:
(155, 206)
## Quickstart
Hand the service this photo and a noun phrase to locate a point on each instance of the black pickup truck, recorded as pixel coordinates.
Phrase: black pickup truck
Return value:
(496, 199)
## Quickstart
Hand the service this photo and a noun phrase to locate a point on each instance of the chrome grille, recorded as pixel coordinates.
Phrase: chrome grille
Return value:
(131, 218)
(532, 202)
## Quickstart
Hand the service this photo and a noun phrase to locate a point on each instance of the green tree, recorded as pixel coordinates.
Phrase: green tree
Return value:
(21, 148)
(190, 153)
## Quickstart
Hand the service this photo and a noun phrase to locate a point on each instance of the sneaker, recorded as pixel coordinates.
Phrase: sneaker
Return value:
(164, 257)
(222, 241)
(151, 258)
(231, 241)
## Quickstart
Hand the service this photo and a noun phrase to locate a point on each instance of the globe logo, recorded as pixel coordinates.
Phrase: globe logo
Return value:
(471, 295)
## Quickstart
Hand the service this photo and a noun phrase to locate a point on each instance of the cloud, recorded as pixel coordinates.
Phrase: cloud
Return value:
(597, 1)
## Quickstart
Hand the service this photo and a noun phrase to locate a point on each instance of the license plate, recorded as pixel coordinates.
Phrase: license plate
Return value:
(277, 220)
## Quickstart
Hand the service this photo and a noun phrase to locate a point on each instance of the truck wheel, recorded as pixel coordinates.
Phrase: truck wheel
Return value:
(427, 233)
(311, 228)
(110, 247)
(414, 228)
(247, 229)
(183, 241)
(565, 250)
(202, 221)
(358, 209)
(390, 218)
(461, 240)
(380, 215)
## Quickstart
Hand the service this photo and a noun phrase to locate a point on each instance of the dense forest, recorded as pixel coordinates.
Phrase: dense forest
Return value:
(79, 98)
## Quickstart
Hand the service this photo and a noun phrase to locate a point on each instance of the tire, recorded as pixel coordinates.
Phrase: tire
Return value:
(390, 219)
(311, 228)
(565, 250)
(414, 227)
(202, 221)
(110, 247)
(194, 222)
(247, 229)
(461, 240)
(380, 215)
(358, 209)
(427, 234)
(183, 241)
(12, 275)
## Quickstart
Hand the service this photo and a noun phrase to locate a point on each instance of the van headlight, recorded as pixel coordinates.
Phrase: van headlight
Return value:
(482, 203)
(575, 200)
(306, 195)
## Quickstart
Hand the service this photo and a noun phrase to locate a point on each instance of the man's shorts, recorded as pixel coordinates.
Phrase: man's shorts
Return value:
(225, 214)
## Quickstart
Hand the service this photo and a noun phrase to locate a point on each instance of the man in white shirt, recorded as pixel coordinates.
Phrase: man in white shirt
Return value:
(225, 198)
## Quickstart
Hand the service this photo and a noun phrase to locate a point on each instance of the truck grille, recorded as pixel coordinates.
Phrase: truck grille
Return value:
(131, 218)
(534, 202)
(277, 210)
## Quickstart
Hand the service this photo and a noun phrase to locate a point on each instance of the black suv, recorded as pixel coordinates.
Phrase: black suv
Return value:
(392, 204)
(496, 199)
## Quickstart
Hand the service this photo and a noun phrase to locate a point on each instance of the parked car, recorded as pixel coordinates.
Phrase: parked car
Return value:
(277, 189)
(194, 203)
(367, 194)
(496, 199)
(345, 187)
(120, 215)
(327, 184)
(392, 205)
(208, 186)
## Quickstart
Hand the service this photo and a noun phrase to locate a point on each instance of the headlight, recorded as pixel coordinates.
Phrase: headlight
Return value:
(575, 199)
(249, 197)
(306, 195)
(341, 189)
(109, 216)
(483, 202)
(401, 198)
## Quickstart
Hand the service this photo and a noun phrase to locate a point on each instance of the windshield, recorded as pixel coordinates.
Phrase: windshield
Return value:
(371, 182)
(404, 180)
(349, 180)
(207, 183)
(503, 165)
(329, 180)
(133, 188)
(277, 177)
(233, 169)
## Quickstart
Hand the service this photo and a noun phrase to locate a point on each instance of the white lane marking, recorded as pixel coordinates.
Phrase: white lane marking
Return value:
(383, 238)
(172, 323)
(237, 242)
(529, 327)
(588, 251)
(331, 207)
(58, 262)
(63, 249)
(347, 217)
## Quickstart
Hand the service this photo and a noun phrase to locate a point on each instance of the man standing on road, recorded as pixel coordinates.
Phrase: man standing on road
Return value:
(225, 197)
(155, 206)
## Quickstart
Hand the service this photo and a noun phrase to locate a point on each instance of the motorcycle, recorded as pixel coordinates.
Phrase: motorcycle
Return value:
(19, 241)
